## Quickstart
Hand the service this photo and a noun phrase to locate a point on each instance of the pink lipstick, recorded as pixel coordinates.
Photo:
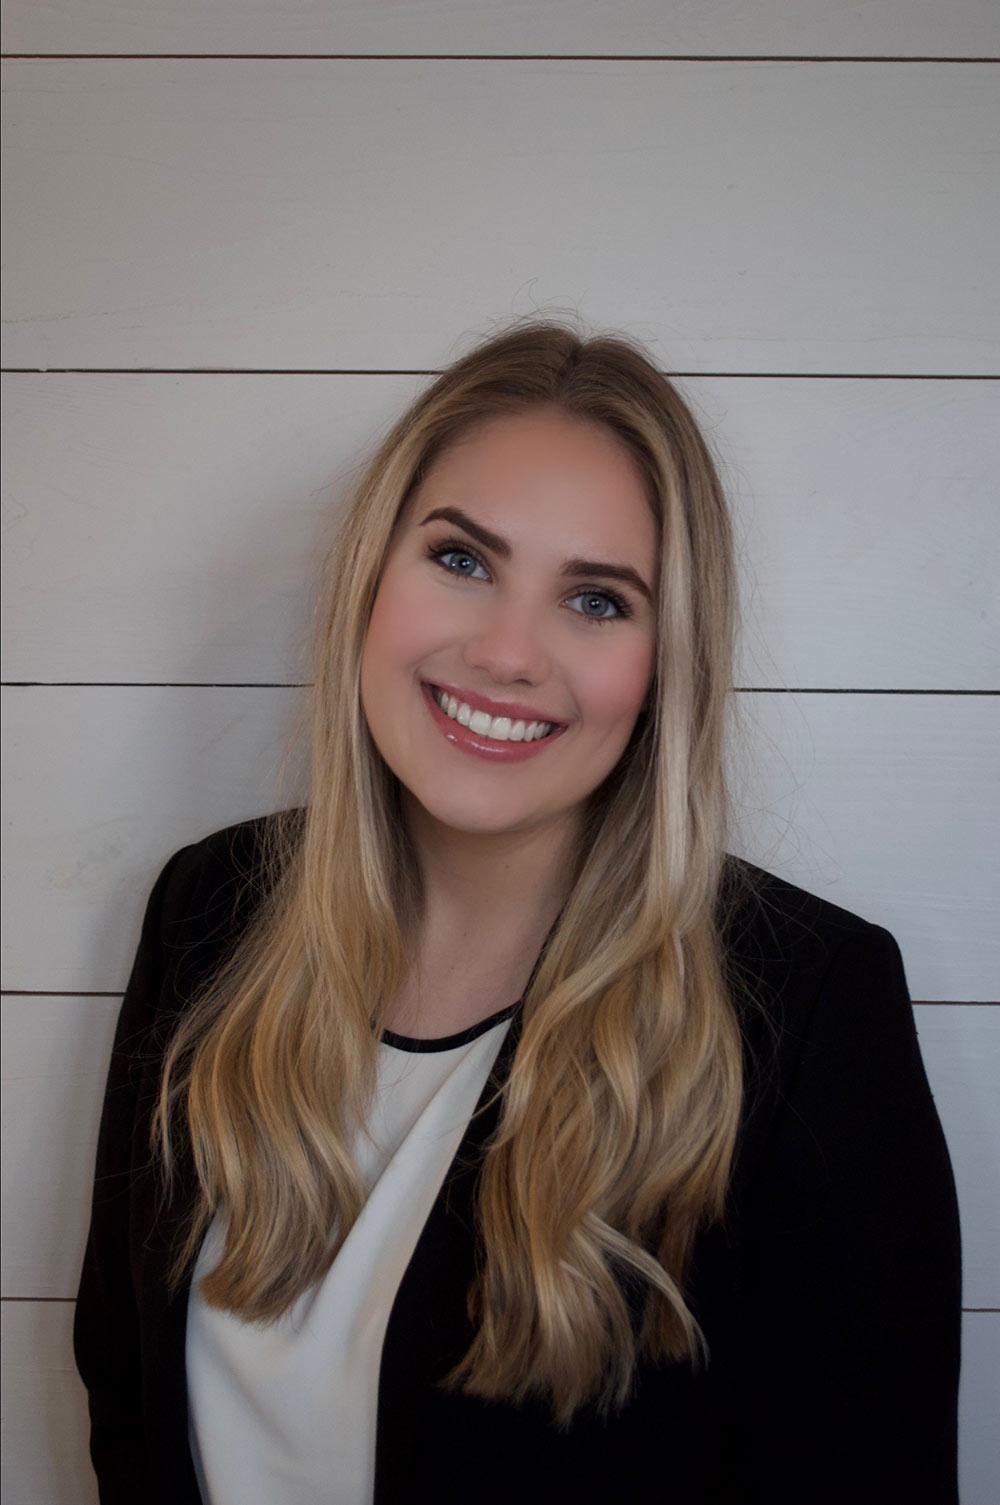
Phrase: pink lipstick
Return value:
(468, 741)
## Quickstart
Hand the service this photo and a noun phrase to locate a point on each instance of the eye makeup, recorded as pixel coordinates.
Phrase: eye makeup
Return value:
(437, 551)
(573, 569)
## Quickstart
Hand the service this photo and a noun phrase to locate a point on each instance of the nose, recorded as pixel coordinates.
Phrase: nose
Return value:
(507, 646)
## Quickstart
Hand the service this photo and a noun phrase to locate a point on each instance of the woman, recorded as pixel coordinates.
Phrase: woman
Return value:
(483, 1130)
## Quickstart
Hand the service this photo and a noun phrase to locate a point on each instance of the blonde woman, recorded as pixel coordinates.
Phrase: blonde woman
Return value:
(483, 1132)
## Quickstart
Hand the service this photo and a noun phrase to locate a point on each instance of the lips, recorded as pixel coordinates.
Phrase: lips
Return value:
(510, 708)
(463, 740)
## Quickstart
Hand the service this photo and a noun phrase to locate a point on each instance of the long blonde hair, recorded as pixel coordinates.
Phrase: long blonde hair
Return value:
(620, 1114)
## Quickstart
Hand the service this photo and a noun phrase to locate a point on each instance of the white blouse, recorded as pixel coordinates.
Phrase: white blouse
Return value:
(285, 1414)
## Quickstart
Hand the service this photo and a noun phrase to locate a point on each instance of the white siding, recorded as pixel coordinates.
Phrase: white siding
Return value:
(880, 803)
(45, 1426)
(45, 1459)
(56, 1052)
(770, 28)
(739, 216)
(161, 528)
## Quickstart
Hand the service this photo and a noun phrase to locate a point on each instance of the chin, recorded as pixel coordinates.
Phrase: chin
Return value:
(474, 817)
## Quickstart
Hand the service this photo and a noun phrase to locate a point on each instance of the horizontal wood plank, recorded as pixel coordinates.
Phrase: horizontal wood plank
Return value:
(56, 1050)
(960, 1045)
(880, 803)
(55, 1063)
(46, 1429)
(114, 781)
(978, 1435)
(45, 1423)
(168, 528)
(966, 28)
(742, 216)
(886, 805)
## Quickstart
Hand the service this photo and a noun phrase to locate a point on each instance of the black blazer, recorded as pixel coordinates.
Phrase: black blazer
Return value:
(830, 1300)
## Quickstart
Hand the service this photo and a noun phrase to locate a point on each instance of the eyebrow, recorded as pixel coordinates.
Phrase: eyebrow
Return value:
(573, 568)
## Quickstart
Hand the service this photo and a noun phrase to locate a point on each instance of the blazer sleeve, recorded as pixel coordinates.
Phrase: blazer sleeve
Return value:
(853, 1283)
(106, 1333)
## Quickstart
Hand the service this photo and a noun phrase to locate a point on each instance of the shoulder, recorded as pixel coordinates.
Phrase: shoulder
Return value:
(798, 964)
(228, 860)
(208, 891)
(768, 924)
(830, 1045)
(764, 915)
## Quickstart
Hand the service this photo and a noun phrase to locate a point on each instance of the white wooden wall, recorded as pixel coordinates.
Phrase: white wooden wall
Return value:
(240, 232)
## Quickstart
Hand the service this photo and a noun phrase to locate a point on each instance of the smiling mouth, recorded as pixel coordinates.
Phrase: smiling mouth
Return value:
(493, 728)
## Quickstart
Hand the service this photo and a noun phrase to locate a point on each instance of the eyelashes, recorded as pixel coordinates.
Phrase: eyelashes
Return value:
(438, 551)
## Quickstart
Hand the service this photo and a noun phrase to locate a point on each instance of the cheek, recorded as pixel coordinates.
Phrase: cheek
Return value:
(614, 692)
(397, 626)
(386, 628)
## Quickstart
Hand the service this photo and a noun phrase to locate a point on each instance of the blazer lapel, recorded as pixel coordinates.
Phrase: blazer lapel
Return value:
(428, 1329)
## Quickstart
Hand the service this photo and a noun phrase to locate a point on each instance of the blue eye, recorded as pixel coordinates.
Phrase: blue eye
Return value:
(607, 598)
(442, 554)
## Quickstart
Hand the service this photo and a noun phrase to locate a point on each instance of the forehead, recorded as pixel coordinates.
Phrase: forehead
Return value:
(546, 476)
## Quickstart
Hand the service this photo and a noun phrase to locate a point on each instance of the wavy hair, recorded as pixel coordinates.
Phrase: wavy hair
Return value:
(619, 1118)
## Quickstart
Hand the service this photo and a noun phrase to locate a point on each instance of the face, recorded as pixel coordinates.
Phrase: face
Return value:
(520, 584)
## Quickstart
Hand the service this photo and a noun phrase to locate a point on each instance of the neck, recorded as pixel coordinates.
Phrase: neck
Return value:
(471, 882)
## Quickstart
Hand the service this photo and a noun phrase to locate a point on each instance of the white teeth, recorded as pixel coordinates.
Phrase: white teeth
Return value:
(497, 728)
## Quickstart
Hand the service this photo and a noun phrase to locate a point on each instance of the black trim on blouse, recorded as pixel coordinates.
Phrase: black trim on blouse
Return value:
(447, 1042)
